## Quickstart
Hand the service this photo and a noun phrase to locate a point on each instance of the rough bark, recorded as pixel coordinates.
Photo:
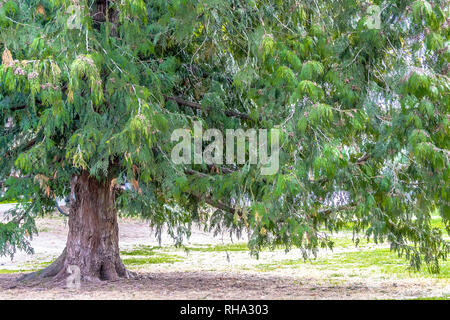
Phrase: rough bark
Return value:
(93, 239)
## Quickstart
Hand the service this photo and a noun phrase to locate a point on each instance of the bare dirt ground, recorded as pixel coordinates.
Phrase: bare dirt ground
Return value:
(217, 285)
(207, 274)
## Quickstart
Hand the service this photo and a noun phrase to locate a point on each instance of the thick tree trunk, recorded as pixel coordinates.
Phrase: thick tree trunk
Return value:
(93, 239)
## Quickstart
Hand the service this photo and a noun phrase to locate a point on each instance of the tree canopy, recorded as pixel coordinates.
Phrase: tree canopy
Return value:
(98, 86)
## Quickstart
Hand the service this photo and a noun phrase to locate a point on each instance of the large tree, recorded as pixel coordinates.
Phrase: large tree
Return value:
(91, 90)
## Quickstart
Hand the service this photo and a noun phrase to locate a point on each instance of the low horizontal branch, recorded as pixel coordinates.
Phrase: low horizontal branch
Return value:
(198, 106)
(222, 206)
(17, 108)
(218, 204)
(364, 158)
(215, 169)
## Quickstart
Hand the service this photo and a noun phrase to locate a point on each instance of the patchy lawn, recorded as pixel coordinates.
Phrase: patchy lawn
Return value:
(216, 268)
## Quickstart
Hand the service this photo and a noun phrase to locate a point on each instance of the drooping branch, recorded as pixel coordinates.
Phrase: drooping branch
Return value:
(209, 200)
(25, 213)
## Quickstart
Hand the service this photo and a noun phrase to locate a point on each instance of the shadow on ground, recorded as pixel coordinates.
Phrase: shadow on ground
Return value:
(206, 285)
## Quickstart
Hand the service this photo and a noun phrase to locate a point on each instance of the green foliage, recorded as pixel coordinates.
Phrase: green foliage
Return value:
(361, 110)
(311, 70)
(309, 89)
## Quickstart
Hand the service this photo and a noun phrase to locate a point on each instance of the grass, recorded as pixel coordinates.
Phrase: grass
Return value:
(146, 256)
(28, 267)
(160, 258)
(369, 261)
(143, 255)
(347, 242)
(37, 265)
(445, 297)
(149, 250)
(384, 261)
(436, 222)
(11, 201)
(8, 201)
(220, 248)
(8, 271)
(372, 261)
(236, 247)
(140, 251)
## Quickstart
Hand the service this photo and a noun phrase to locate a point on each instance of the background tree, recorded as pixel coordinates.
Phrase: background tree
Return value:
(87, 103)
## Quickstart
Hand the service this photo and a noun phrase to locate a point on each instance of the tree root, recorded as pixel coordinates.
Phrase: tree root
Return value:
(57, 272)
(50, 271)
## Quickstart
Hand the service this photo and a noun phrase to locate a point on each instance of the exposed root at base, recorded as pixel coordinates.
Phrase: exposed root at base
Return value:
(59, 271)
(50, 271)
